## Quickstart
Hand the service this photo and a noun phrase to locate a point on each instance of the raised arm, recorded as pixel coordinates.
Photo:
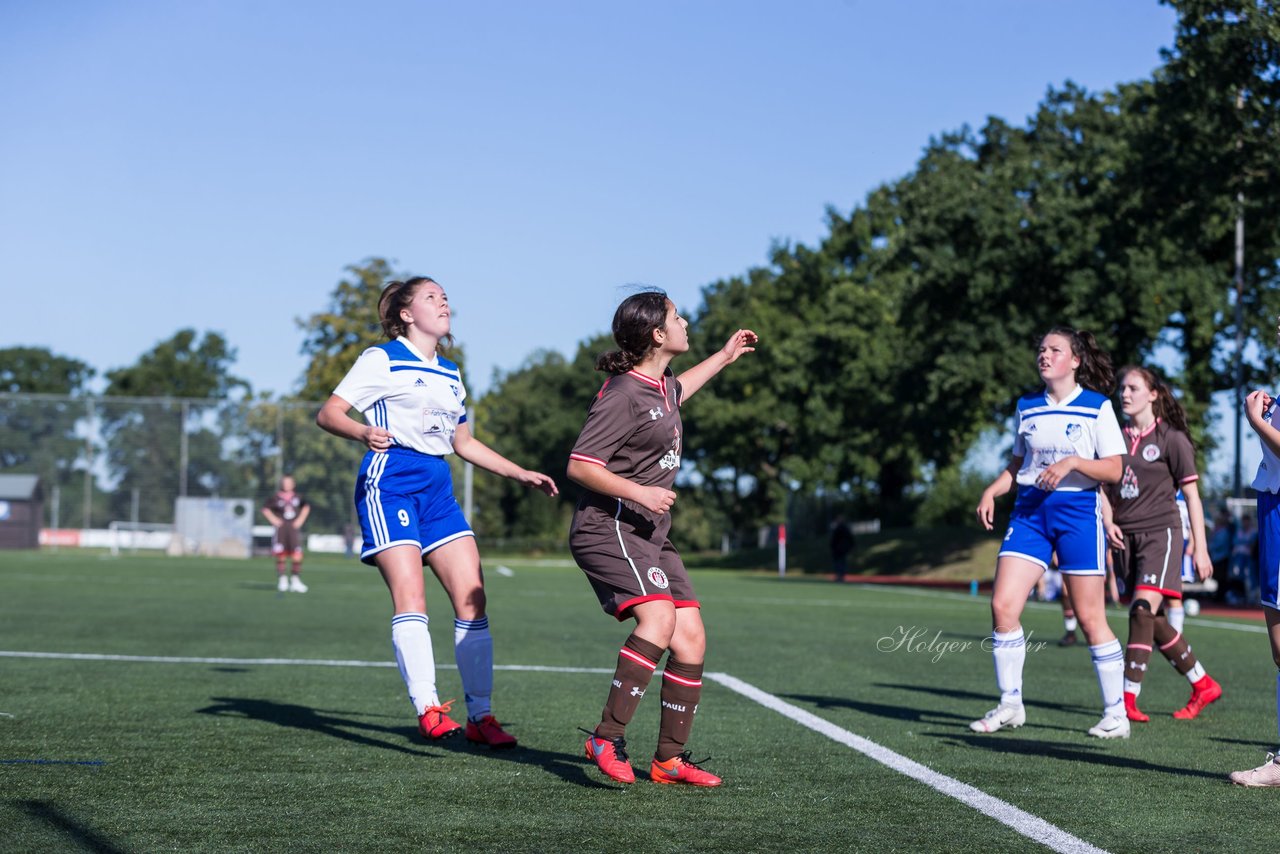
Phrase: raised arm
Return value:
(742, 341)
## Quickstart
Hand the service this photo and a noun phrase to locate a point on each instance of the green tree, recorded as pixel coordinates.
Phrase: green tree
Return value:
(41, 406)
(145, 439)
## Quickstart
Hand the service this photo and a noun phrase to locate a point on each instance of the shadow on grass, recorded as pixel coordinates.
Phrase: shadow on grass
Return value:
(307, 718)
(990, 698)
(931, 714)
(333, 723)
(84, 838)
(1093, 755)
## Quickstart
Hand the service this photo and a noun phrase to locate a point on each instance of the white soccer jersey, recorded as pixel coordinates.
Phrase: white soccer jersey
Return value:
(419, 400)
(1083, 425)
(1268, 477)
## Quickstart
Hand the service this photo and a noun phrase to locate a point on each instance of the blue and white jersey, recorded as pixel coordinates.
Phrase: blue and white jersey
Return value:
(419, 400)
(1082, 424)
(1268, 477)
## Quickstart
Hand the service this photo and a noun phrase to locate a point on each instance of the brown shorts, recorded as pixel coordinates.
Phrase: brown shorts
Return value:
(287, 540)
(625, 553)
(1152, 560)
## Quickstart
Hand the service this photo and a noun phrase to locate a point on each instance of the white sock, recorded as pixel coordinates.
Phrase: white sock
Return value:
(1134, 688)
(1175, 617)
(1070, 623)
(417, 662)
(1196, 673)
(1009, 649)
(473, 649)
(1108, 660)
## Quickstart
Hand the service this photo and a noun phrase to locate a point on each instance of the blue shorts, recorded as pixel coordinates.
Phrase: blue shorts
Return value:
(406, 498)
(1269, 547)
(1069, 523)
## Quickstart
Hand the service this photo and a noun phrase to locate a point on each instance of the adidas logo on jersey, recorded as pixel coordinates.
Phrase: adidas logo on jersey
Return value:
(419, 382)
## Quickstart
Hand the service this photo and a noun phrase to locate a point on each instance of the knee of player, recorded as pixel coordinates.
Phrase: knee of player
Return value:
(1141, 609)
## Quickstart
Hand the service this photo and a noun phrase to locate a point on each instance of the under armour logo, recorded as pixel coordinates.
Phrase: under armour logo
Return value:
(1149, 579)
(1136, 666)
(655, 414)
(637, 691)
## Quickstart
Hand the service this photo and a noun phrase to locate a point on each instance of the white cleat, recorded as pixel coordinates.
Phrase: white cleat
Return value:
(296, 585)
(1266, 774)
(282, 583)
(1000, 717)
(1111, 726)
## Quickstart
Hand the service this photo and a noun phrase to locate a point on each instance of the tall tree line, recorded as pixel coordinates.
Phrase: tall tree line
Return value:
(889, 347)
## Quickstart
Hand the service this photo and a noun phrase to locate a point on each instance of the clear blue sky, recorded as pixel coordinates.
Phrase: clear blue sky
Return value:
(216, 164)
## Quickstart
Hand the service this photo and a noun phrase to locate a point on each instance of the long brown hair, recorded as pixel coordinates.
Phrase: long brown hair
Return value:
(1095, 371)
(396, 297)
(1165, 407)
(633, 325)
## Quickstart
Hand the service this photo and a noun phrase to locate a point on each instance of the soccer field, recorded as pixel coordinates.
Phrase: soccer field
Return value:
(151, 704)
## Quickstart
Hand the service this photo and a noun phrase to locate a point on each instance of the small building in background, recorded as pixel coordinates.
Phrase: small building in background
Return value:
(21, 511)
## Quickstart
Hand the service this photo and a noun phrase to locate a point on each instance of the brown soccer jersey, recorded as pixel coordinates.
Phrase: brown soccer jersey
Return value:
(286, 506)
(1159, 461)
(633, 429)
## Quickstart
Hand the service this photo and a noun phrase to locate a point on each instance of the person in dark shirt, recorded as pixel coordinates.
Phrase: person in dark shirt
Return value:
(626, 458)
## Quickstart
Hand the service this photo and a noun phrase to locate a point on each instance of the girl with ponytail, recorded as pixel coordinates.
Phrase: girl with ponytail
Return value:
(1067, 442)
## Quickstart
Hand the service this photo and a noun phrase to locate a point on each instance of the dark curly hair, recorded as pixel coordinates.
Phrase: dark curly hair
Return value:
(633, 325)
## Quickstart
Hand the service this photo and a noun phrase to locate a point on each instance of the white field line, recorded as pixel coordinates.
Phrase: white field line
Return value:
(1018, 820)
(1021, 821)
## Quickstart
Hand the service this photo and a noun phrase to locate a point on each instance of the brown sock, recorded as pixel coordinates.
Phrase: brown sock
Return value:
(681, 690)
(636, 662)
(1174, 646)
(1137, 652)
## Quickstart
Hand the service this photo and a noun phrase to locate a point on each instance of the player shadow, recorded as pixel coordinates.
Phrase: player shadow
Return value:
(989, 698)
(1094, 754)
(333, 723)
(570, 768)
(1244, 742)
(83, 837)
(883, 710)
(306, 718)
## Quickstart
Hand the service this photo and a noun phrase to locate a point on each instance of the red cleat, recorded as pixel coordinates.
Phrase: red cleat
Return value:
(488, 731)
(1203, 693)
(681, 769)
(1131, 710)
(435, 722)
(610, 755)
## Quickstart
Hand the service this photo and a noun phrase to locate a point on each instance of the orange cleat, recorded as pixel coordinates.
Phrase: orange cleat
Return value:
(610, 755)
(681, 769)
(488, 731)
(1203, 693)
(1131, 710)
(435, 722)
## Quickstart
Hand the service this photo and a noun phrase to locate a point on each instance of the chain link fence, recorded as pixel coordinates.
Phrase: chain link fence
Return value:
(128, 459)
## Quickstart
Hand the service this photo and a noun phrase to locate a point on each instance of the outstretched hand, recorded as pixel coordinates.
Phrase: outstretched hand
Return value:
(742, 341)
(538, 480)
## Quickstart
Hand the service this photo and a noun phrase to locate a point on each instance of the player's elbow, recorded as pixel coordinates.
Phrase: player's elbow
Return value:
(580, 472)
(1114, 468)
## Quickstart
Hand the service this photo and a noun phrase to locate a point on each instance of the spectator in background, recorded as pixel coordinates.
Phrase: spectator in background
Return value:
(841, 545)
(1220, 543)
(287, 511)
(1244, 551)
